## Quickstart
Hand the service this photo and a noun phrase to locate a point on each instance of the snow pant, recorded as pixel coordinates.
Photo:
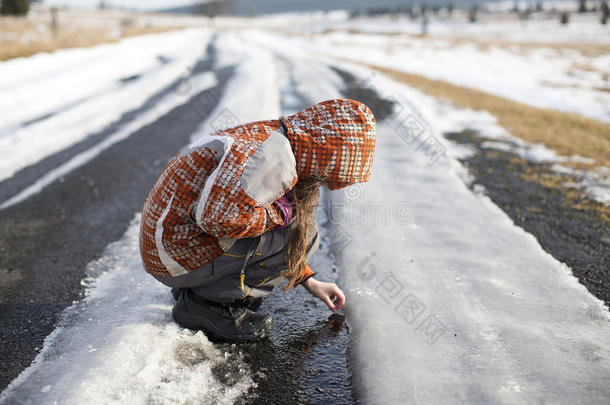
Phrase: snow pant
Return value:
(261, 259)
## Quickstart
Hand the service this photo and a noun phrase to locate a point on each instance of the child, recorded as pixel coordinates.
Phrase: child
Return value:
(232, 215)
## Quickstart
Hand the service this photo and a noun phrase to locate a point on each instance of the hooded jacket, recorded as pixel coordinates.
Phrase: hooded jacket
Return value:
(223, 186)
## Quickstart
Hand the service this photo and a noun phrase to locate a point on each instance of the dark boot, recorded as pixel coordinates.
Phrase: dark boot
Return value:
(176, 293)
(227, 322)
(253, 304)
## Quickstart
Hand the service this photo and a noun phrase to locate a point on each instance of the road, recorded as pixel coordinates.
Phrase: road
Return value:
(445, 247)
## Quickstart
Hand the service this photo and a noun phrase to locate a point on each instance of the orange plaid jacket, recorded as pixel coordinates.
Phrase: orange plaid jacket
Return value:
(223, 186)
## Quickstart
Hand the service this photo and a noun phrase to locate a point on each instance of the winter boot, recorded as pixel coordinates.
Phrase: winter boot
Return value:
(253, 304)
(176, 293)
(228, 322)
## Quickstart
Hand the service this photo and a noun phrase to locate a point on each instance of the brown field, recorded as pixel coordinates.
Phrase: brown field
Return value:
(40, 32)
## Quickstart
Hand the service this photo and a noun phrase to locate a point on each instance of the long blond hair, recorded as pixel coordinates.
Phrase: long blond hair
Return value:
(306, 199)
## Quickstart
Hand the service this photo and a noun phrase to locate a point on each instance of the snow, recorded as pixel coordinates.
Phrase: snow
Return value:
(480, 121)
(74, 93)
(494, 22)
(539, 62)
(534, 153)
(542, 29)
(120, 345)
(252, 94)
(540, 76)
(595, 182)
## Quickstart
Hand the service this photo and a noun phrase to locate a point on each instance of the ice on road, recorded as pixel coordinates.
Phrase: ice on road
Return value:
(449, 301)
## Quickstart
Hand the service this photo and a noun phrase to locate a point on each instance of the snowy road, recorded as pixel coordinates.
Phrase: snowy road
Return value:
(448, 301)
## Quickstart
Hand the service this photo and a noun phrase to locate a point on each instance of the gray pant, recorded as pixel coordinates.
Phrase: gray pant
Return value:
(219, 281)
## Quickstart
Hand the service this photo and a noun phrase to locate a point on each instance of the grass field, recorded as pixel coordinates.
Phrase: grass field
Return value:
(70, 38)
(42, 32)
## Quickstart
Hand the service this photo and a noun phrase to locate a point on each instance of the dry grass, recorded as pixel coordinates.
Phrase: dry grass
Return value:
(26, 42)
(21, 37)
(567, 134)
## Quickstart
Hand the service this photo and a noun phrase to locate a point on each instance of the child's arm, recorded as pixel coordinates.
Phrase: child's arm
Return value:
(241, 220)
(329, 293)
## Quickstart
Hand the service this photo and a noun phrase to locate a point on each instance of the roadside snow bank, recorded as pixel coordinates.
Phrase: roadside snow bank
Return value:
(120, 345)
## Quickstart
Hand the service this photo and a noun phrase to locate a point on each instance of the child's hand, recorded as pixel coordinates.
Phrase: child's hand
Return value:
(328, 293)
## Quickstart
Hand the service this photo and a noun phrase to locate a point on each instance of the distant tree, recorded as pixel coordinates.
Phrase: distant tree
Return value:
(354, 14)
(472, 13)
(450, 8)
(423, 9)
(539, 6)
(564, 18)
(605, 10)
(14, 7)
(54, 20)
(582, 6)
(413, 12)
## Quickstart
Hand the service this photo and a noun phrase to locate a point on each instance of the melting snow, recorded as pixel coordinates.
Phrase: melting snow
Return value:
(120, 345)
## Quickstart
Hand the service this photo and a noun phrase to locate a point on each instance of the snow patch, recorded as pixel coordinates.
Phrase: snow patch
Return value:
(595, 182)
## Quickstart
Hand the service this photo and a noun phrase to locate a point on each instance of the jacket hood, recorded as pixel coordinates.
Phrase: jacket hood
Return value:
(334, 141)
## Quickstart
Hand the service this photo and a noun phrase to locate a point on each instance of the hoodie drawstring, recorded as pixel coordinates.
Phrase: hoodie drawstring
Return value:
(256, 244)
